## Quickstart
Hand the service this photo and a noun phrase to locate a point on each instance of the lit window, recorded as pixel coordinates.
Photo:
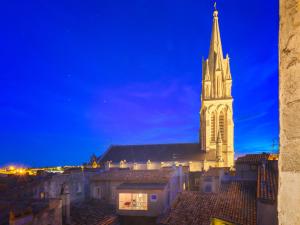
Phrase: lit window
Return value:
(42, 195)
(133, 201)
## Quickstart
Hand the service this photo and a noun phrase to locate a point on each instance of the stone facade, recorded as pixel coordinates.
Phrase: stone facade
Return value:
(289, 90)
(108, 185)
(46, 212)
(216, 119)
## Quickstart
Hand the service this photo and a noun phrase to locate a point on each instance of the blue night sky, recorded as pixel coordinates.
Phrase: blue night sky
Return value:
(78, 76)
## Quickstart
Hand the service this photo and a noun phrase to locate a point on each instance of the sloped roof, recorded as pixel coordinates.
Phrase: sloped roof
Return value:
(93, 211)
(144, 176)
(156, 153)
(252, 158)
(267, 182)
(235, 202)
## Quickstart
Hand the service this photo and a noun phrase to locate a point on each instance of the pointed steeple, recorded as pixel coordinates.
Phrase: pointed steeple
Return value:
(215, 50)
(207, 75)
(228, 72)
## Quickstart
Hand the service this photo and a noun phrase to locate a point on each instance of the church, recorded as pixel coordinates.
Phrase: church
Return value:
(216, 134)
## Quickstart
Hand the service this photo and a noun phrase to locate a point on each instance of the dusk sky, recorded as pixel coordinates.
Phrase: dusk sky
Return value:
(78, 76)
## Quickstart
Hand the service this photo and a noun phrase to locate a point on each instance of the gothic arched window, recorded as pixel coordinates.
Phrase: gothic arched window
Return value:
(222, 125)
(213, 127)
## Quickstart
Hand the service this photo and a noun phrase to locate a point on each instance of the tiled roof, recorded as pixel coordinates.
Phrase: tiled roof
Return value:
(156, 153)
(267, 183)
(252, 158)
(145, 176)
(93, 212)
(24, 207)
(80, 170)
(235, 203)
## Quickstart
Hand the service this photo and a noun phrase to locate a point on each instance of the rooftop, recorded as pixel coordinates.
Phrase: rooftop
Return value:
(235, 203)
(252, 158)
(145, 176)
(267, 183)
(92, 212)
(156, 153)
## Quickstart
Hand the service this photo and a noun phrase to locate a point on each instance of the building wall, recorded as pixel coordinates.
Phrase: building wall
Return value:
(210, 183)
(289, 90)
(49, 216)
(75, 183)
(266, 213)
(154, 208)
(246, 171)
(105, 190)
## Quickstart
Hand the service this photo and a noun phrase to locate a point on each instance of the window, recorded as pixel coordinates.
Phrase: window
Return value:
(42, 195)
(153, 198)
(149, 165)
(113, 193)
(222, 125)
(123, 164)
(197, 181)
(78, 188)
(98, 192)
(213, 128)
(133, 201)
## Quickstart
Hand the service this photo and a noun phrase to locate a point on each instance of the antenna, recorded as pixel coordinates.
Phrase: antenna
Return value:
(215, 6)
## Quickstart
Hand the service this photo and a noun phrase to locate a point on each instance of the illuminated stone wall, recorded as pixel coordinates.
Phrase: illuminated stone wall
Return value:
(289, 159)
(216, 113)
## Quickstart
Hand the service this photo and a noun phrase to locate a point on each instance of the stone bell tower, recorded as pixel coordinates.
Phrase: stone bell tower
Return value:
(216, 115)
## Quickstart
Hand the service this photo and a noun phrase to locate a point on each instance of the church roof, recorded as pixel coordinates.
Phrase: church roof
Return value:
(157, 153)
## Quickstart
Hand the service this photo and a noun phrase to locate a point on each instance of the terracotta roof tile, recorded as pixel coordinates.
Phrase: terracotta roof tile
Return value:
(93, 212)
(235, 202)
(252, 158)
(267, 183)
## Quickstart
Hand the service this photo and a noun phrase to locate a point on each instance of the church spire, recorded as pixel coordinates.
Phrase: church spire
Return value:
(215, 50)
(216, 113)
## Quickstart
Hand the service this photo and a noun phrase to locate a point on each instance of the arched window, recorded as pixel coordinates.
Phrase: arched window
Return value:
(222, 124)
(213, 127)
